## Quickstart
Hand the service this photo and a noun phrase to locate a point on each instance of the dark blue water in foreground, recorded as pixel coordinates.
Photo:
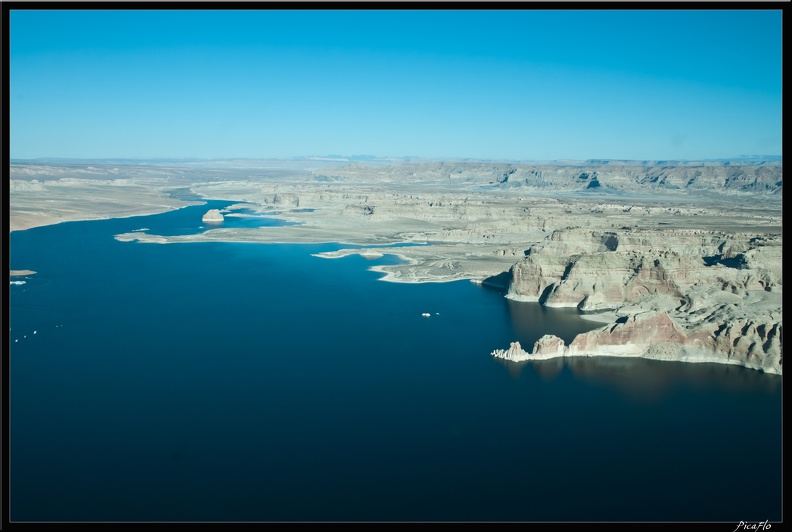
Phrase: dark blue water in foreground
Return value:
(245, 382)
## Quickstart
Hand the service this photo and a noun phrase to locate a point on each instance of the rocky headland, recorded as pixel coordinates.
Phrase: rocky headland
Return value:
(714, 297)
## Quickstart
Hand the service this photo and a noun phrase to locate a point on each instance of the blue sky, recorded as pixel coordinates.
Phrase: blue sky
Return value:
(517, 84)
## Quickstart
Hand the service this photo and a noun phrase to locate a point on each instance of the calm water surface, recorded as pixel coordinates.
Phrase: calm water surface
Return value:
(220, 381)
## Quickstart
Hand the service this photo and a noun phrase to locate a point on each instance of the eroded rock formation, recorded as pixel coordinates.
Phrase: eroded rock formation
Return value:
(656, 335)
(691, 296)
(289, 200)
(595, 176)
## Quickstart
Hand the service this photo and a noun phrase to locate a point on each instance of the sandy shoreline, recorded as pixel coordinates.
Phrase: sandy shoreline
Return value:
(45, 220)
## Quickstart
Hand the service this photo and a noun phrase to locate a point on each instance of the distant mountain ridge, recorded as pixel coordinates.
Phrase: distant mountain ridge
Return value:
(636, 179)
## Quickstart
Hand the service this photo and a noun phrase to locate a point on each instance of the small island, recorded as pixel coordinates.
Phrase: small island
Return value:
(213, 216)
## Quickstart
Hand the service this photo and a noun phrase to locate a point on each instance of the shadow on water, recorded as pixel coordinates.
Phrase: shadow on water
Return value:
(650, 380)
(498, 282)
(637, 378)
(566, 322)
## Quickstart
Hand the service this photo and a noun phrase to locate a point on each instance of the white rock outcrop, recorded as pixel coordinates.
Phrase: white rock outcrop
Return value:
(213, 216)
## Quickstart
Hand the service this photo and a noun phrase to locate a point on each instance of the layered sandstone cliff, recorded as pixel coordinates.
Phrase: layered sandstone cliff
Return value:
(753, 343)
(690, 296)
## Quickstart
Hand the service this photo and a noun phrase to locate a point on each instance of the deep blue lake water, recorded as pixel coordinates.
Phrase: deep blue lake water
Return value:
(250, 382)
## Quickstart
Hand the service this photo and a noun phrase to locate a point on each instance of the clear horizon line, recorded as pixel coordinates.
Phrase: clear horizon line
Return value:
(340, 157)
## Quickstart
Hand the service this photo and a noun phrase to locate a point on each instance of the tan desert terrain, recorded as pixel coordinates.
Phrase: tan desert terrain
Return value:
(680, 261)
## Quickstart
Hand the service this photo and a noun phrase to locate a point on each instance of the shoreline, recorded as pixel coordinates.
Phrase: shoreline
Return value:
(47, 221)
(710, 359)
(605, 318)
(475, 241)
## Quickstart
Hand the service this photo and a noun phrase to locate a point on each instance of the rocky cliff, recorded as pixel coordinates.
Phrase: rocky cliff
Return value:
(751, 343)
(687, 295)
